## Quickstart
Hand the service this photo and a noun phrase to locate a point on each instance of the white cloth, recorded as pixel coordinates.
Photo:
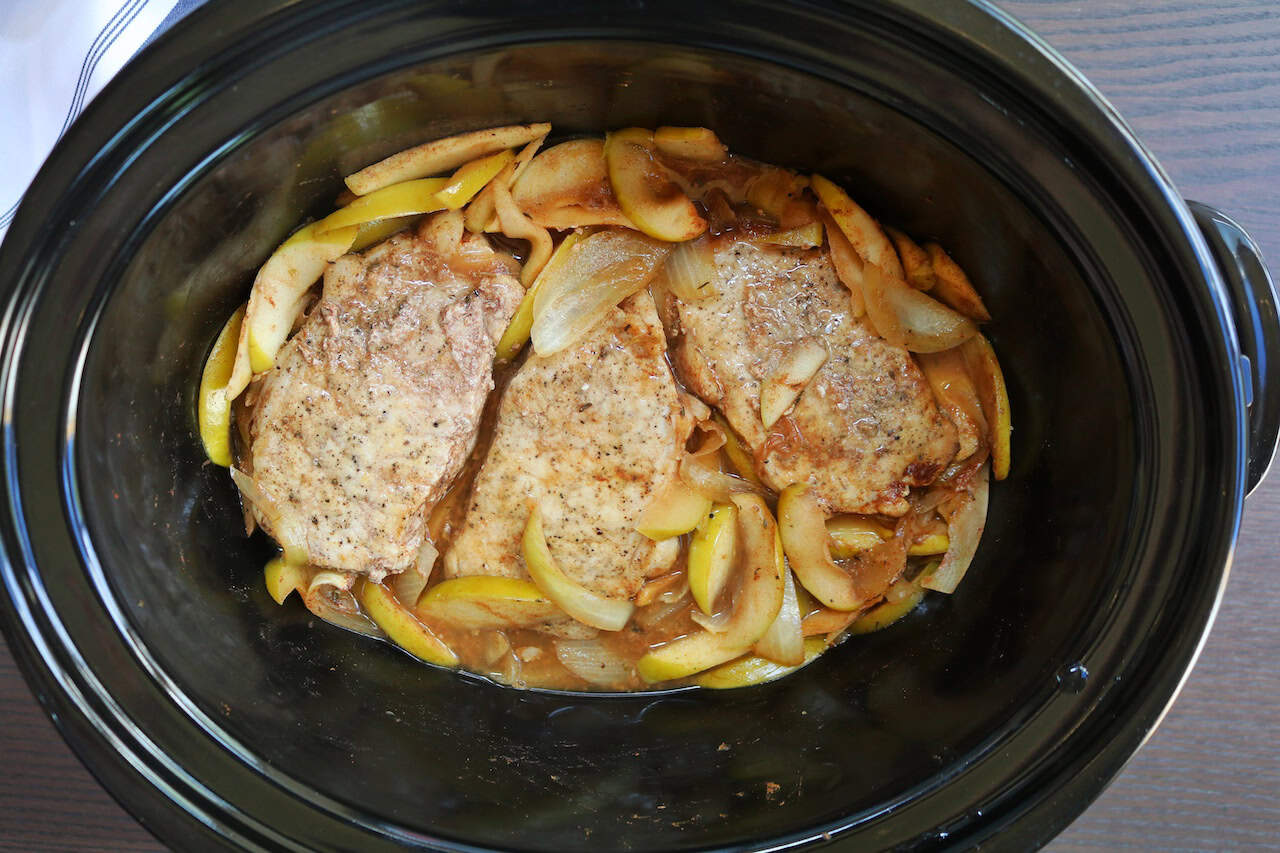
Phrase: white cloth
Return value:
(54, 57)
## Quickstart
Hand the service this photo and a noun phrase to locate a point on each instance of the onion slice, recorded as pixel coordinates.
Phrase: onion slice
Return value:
(593, 662)
(295, 550)
(607, 614)
(515, 224)
(690, 270)
(329, 597)
(964, 527)
(909, 318)
(784, 641)
(598, 273)
(794, 371)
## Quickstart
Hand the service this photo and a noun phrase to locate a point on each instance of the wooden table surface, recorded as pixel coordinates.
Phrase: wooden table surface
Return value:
(1200, 82)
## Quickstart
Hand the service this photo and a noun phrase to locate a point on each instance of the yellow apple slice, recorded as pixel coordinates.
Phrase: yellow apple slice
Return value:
(589, 608)
(404, 199)
(402, 627)
(932, 542)
(905, 597)
(517, 331)
(283, 577)
(916, 265)
(754, 610)
(794, 371)
(804, 536)
(213, 409)
(442, 155)
(711, 553)
(645, 192)
(957, 397)
(479, 603)
(741, 459)
(953, 287)
(676, 510)
(375, 232)
(752, 670)
(847, 264)
(780, 194)
(804, 237)
(988, 378)
(692, 143)
(863, 232)
(472, 177)
(853, 534)
(282, 281)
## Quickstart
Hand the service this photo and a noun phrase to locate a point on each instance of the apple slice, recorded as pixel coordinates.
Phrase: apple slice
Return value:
(915, 260)
(752, 670)
(692, 143)
(853, 534)
(375, 232)
(567, 186)
(864, 233)
(472, 177)
(955, 393)
(906, 595)
(282, 281)
(988, 378)
(756, 607)
(479, 603)
(213, 409)
(676, 510)
(589, 608)
(711, 555)
(518, 330)
(645, 192)
(804, 536)
(442, 155)
(953, 287)
(402, 627)
(847, 263)
(283, 577)
(793, 373)
(404, 199)
(804, 237)
(740, 458)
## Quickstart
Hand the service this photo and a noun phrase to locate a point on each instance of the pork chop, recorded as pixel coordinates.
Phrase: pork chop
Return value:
(866, 428)
(591, 434)
(374, 405)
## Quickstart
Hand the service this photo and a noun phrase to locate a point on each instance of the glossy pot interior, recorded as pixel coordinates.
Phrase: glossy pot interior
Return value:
(1012, 701)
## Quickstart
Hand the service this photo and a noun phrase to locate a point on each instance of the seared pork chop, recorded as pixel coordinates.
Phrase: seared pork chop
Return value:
(866, 428)
(591, 434)
(374, 405)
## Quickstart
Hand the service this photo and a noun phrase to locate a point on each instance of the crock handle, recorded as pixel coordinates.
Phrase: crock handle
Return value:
(1254, 304)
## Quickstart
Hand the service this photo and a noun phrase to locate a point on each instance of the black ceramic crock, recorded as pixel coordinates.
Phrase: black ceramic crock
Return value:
(1139, 337)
